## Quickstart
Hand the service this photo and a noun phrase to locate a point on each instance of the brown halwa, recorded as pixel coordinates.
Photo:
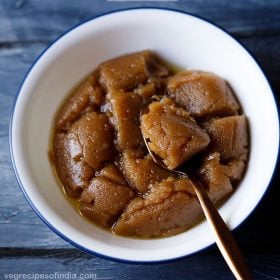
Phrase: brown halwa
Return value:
(193, 122)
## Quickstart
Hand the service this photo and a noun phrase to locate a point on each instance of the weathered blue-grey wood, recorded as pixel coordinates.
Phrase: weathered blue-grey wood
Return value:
(203, 266)
(32, 20)
(19, 225)
(26, 244)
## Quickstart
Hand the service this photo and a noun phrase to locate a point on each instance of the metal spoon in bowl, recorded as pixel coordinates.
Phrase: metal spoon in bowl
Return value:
(223, 237)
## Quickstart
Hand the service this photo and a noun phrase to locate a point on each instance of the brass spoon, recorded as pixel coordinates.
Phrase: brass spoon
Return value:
(223, 237)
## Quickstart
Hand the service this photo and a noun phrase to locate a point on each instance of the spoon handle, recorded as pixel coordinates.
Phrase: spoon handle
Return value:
(224, 239)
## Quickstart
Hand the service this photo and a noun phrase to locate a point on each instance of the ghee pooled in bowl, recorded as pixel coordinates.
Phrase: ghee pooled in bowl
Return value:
(101, 160)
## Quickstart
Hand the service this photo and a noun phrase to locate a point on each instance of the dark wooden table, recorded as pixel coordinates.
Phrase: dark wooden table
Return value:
(26, 244)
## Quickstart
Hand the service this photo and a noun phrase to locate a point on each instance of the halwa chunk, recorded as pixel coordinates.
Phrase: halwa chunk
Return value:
(229, 136)
(124, 110)
(172, 133)
(112, 173)
(87, 96)
(168, 208)
(214, 177)
(72, 169)
(202, 94)
(94, 139)
(103, 200)
(82, 150)
(128, 71)
(141, 171)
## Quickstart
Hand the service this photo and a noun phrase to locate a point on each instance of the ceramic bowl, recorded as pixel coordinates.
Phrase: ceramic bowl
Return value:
(182, 39)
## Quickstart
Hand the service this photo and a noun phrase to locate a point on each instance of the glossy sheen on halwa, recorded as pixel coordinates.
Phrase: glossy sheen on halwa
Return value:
(87, 97)
(140, 170)
(124, 117)
(104, 199)
(229, 136)
(202, 94)
(172, 133)
(169, 206)
(193, 122)
(81, 150)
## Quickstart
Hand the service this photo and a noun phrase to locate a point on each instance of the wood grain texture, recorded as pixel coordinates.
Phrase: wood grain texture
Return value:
(207, 265)
(32, 20)
(26, 244)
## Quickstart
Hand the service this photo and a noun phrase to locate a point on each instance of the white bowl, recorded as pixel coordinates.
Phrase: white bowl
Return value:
(183, 39)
